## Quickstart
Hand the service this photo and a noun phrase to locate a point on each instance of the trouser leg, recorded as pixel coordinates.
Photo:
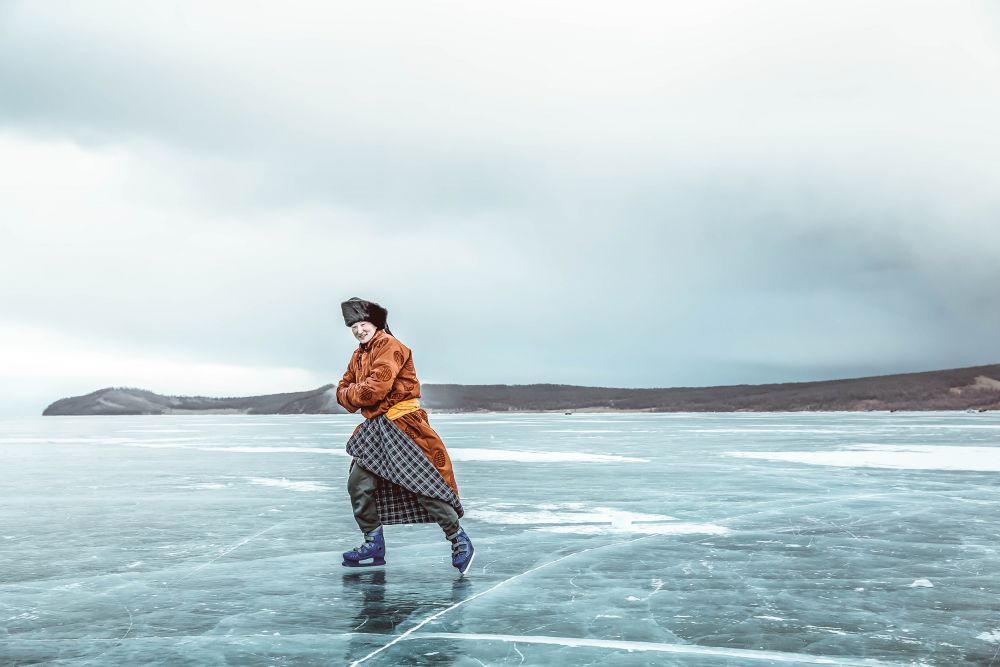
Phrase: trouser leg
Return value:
(442, 512)
(361, 484)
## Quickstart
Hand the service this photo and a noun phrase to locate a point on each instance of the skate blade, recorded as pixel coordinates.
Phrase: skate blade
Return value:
(461, 573)
(376, 562)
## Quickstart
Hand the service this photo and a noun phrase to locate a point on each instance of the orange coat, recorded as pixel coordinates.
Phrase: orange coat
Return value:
(381, 374)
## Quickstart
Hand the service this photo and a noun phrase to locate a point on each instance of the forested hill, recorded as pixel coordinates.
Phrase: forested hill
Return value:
(975, 388)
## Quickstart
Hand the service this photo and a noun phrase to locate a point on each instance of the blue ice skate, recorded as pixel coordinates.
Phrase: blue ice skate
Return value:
(372, 550)
(462, 551)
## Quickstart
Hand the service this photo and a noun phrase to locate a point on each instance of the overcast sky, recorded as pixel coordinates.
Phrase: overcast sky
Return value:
(601, 193)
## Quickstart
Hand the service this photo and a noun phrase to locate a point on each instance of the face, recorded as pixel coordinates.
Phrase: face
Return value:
(363, 331)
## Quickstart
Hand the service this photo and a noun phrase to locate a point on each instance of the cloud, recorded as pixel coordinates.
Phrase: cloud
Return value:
(445, 108)
(654, 195)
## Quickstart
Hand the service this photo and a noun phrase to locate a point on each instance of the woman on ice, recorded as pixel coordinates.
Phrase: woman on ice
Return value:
(401, 471)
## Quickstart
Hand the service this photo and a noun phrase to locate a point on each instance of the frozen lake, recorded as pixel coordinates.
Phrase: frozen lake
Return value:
(687, 539)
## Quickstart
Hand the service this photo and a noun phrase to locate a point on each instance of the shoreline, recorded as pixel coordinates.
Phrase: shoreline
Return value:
(584, 411)
(975, 388)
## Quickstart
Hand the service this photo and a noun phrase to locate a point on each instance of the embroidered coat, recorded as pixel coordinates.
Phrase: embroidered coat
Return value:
(381, 375)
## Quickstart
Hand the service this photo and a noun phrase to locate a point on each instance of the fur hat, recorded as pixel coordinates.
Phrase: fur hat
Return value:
(358, 310)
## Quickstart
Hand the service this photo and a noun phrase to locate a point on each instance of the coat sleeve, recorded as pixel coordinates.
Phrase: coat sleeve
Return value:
(345, 382)
(387, 360)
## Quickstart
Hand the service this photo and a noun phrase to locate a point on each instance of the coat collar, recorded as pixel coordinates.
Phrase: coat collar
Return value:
(378, 335)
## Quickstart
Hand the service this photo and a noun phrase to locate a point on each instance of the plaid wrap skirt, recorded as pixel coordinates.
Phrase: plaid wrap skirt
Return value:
(381, 447)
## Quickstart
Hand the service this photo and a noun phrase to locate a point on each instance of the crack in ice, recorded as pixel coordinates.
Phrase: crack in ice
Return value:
(228, 551)
(478, 595)
(684, 649)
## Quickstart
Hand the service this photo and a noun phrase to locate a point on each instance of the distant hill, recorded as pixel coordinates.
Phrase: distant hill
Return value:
(975, 388)
(129, 401)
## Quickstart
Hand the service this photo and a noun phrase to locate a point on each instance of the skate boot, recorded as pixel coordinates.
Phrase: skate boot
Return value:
(462, 551)
(369, 554)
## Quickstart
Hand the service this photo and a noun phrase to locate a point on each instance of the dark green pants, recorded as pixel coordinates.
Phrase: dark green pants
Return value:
(361, 484)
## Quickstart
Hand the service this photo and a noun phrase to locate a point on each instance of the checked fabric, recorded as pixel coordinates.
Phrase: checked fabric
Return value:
(379, 446)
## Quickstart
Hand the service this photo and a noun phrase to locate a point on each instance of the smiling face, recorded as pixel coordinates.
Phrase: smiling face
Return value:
(363, 331)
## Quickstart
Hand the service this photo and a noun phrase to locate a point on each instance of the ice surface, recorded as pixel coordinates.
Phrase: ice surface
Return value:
(527, 456)
(680, 539)
(916, 457)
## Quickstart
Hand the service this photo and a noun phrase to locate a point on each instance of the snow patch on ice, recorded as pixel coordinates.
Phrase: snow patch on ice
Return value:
(278, 450)
(579, 519)
(573, 505)
(26, 616)
(679, 528)
(238, 449)
(471, 454)
(583, 430)
(958, 426)
(288, 484)
(456, 453)
(819, 431)
(562, 513)
(991, 637)
(443, 417)
(911, 457)
(161, 430)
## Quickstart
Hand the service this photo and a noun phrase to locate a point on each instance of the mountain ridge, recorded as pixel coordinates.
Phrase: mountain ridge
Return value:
(969, 388)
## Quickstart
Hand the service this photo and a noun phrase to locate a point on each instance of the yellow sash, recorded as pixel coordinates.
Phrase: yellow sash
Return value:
(403, 408)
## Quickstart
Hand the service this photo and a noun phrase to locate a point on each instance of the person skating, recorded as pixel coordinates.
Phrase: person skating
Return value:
(400, 468)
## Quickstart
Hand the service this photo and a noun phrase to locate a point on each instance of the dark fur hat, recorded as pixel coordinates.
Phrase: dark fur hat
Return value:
(358, 310)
